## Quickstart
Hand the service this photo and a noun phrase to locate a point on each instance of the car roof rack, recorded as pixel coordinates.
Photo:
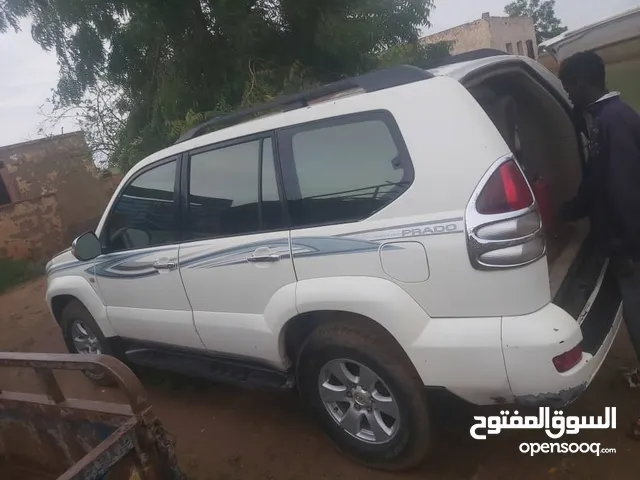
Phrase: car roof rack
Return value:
(466, 57)
(369, 82)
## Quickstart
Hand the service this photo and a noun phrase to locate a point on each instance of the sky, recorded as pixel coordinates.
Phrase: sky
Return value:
(29, 73)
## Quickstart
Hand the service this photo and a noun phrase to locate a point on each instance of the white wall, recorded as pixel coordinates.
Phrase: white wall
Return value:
(506, 30)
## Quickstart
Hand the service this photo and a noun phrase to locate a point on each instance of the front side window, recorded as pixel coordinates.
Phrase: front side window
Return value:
(144, 215)
(345, 169)
(233, 191)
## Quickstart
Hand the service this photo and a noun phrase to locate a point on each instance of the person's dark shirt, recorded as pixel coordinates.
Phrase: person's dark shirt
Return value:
(610, 191)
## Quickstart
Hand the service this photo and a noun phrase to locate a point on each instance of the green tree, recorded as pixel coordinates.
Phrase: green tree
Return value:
(172, 63)
(101, 114)
(417, 54)
(544, 16)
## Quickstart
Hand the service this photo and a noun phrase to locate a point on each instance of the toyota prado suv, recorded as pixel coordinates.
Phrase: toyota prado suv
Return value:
(364, 243)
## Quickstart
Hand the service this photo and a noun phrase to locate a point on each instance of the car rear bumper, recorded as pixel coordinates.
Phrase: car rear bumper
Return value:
(531, 342)
(510, 359)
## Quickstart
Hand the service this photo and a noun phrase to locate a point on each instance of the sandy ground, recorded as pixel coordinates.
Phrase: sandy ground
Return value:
(224, 433)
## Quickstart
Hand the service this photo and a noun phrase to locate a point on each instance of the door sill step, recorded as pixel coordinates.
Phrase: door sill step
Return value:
(223, 370)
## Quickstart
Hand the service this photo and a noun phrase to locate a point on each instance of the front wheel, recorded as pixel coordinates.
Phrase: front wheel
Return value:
(83, 335)
(366, 394)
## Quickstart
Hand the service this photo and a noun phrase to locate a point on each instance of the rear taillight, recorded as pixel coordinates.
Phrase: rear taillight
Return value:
(568, 360)
(506, 191)
(502, 219)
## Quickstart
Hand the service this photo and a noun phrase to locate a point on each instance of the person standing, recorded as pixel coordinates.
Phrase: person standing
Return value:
(610, 192)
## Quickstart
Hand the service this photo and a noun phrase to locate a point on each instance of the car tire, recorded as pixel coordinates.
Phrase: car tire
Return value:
(360, 423)
(75, 322)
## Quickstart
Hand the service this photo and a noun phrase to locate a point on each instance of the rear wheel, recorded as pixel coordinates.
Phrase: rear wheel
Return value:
(82, 335)
(366, 394)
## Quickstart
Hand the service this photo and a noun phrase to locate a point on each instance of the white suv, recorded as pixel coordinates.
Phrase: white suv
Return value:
(374, 239)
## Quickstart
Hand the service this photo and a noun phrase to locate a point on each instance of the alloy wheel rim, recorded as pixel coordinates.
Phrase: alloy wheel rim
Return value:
(359, 401)
(84, 339)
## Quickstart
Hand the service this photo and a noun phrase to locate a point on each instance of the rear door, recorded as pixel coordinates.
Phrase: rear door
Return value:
(235, 262)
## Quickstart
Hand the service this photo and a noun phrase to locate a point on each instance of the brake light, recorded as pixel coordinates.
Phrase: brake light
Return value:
(505, 191)
(568, 360)
(502, 222)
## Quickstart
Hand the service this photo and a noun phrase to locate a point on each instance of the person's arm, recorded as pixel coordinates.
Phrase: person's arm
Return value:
(580, 206)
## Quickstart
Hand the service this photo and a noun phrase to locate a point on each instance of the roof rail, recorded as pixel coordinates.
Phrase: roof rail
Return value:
(369, 82)
(467, 56)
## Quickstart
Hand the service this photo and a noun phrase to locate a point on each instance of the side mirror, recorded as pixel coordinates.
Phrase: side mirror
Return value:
(86, 247)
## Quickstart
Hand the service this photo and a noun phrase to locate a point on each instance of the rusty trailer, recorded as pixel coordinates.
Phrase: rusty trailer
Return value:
(51, 436)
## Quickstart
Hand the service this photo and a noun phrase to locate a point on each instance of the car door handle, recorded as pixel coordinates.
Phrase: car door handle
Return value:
(165, 265)
(272, 257)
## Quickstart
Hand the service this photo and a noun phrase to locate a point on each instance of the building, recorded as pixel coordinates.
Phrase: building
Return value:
(616, 39)
(514, 35)
(50, 191)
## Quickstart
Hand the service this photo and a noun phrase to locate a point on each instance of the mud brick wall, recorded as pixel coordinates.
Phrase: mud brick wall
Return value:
(464, 38)
(60, 165)
(31, 229)
(488, 32)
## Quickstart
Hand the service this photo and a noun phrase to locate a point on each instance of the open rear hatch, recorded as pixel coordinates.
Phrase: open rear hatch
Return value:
(539, 131)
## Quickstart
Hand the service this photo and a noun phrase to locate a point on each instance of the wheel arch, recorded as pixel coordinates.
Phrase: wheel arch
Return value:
(299, 328)
(58, 304)
(63, 290)
(370, 302)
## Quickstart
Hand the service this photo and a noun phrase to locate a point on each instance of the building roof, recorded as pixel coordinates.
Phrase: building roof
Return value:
(47, 139)
(611, 30)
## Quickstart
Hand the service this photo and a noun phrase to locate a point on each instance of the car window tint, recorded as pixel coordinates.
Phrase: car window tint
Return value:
(224, 191)
(345, 172)
(144, 215)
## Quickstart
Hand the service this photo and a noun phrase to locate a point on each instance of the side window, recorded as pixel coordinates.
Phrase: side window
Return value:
(233, 191)
(145, 214)
(344, 169)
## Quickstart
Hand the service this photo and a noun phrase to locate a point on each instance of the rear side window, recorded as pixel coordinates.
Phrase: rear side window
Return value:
(343, 169)
(233, 191)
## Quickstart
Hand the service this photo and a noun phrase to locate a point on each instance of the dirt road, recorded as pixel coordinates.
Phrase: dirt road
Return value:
(224, 433)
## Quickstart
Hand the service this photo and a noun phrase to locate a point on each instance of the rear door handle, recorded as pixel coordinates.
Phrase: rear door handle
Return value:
(165, 265)
(271, 257)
